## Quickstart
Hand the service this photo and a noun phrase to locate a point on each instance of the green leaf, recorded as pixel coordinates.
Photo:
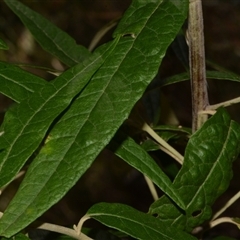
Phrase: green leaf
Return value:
(205, 174)
(18, 84)
(51, 38)
(19, 236)
(3, 45)
(168, 132)
(176, 129)
(166, 135)
(135, 155)
(134, 223)
(228, 76)
(26, 124)
(149, 145)
(94, 117)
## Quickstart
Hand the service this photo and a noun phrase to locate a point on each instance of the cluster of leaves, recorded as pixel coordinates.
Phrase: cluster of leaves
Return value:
(63, 125)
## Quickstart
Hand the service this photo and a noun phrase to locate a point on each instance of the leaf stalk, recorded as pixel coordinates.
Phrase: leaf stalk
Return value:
(165, 146)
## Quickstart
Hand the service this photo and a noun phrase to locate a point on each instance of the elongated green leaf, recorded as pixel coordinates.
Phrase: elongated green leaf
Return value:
(228, 76)
(149, 145)
(3, 45)
(134, 223)
(170, 128)
(134, 155)
(166, 132)
(51, 38)
(19, 236)
(94, 117)
(205, 174)
(26, 124)
(18, 84)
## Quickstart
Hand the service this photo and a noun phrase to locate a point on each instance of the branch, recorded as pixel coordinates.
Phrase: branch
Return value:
(224, 104)
(78, 227)
(222, 220)
(166, 147)
(197, 63)
(227, 205)
(63, 230)
(151, 188)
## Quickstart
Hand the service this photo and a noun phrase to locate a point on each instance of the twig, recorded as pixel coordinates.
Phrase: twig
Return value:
(63, 230)
(20, 174)
(78, 228)
(227, 205)
(163, 143)
(180, 161)
(101, 33)
(197, 63)
(223, 220)
(224, 104)
(151, 188)
(207, 112)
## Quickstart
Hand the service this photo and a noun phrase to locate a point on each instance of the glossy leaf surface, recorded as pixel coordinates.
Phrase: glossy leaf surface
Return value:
(134, 223)
(205, 174)
(51, 38)
(137, 157)
(26, 124)
(94, 117)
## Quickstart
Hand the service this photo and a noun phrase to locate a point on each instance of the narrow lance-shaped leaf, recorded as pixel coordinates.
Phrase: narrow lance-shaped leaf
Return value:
(227, 76)
(205, 174)
(18, 84)
(94, 117)
(51, 38)
(170, 128)
(26, 124)
(137, 157)
(135, 223)
(19, 236)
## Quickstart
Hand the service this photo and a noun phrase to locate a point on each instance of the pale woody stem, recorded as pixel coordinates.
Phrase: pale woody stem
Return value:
(197, 63)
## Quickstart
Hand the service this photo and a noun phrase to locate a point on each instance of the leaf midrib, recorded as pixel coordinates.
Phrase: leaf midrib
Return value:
(214, 165)
(40, 108)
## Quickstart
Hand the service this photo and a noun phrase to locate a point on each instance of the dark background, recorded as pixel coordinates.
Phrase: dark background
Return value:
(109, 179)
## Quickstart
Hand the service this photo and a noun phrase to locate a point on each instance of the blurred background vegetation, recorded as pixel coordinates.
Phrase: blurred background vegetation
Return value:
(109, 179)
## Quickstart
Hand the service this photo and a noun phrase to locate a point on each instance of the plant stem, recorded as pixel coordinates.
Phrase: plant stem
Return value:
(227, 205)
(63, 230)
(78, 228)
(101, 33)
(222, 220)
(197, 63)
(151, 188)
(20, 174)
(179, 160)
(224, 104)
(174, 153)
